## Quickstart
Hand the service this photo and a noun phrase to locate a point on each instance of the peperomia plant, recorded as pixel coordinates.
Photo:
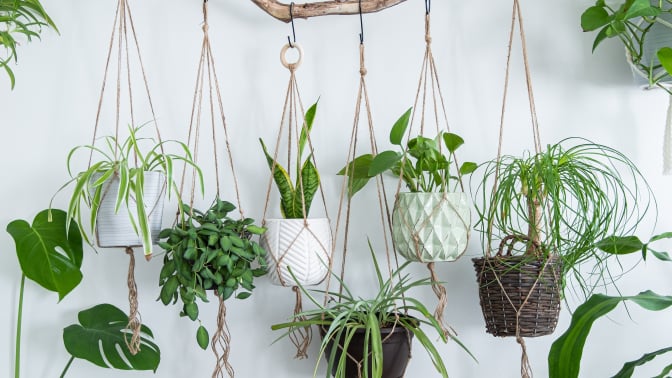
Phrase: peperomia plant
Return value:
(295, 199)
(423, 164)
(630, 22)
(209, 251)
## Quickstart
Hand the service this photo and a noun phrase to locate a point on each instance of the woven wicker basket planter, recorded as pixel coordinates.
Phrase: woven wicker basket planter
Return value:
(302, 246)
(505, 282)
(429, 227)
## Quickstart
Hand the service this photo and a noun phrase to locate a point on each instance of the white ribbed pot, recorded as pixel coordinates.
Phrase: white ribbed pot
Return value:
(430, 227)
(303, 246)
(658, 36)
(116, 230)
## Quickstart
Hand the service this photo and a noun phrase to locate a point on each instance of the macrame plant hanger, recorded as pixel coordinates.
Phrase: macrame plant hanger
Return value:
(516, 18)
(299, 248)
(120, 34)
(207, 108)
(345, 202)
(429, 95)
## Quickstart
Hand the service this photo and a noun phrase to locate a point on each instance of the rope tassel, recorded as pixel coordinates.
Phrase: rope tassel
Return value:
(667, 142)
(221, 342)
(440, 292)
(300, 336)
(134, 322)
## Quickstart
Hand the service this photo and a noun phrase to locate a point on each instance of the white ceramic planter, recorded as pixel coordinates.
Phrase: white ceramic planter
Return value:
(304, 247)
(115, 230)
(659, 36)
(429, 227)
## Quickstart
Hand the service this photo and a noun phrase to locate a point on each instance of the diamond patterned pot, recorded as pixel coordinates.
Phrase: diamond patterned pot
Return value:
(305, 246)
(430, 227)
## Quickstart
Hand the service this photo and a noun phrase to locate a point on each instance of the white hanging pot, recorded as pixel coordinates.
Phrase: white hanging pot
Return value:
(429, 227)
(657, 37)
(304, 246)
(116, 230)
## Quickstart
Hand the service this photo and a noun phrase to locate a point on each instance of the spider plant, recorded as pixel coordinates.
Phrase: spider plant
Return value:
(127, 161)
(346, 314)
(564, 199)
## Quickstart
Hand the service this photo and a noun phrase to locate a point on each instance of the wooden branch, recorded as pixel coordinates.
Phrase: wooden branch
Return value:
(325, 8)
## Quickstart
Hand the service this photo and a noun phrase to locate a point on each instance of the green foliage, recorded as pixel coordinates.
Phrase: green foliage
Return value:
(127, 161)
(392, 305)
(20, 19)
(100, 339)
(422, 164)
(564, 358)
(565, 199)
(49, 254)
(630, 21)
(209, 251)
(295, 199)
(621, 245)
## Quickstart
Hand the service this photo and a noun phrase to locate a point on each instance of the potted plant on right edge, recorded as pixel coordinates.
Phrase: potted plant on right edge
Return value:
(645, 29)
(372, 338)
(551, 208)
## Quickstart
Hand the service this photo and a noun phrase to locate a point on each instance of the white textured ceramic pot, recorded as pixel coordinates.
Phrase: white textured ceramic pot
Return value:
(429, 227)
(303, 246)
(657, 37)
(116, 230)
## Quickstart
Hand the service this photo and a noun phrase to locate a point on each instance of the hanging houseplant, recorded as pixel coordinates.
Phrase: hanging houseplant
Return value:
(551, 208)
(296, 241)
(431, 222)
(125, 189)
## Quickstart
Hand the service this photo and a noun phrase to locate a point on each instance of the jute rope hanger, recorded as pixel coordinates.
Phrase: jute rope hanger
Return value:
(516, 18)
(207, 75)
(120, 30)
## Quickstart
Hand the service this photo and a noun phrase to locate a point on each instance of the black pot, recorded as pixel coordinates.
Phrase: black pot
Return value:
(396, 352)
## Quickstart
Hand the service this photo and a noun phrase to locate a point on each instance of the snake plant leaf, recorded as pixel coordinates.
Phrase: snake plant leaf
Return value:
(282, 180)
(307, 127)
(49, 254)
(564, 358)
(628, 368)
(310, 182)
(399, 128)
(99, 339)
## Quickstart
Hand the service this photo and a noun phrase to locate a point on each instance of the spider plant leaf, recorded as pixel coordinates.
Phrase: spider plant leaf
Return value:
(143, 219)
(628, 368)
(399, 128)
(100, 338)
(49, 254)
(282, 181)
(124, 184)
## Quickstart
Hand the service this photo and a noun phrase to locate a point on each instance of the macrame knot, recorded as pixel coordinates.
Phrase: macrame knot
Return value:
(428, 39)
(205, 28)
(362, 71)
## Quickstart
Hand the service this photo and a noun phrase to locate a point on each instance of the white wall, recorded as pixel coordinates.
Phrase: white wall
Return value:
(53, 106)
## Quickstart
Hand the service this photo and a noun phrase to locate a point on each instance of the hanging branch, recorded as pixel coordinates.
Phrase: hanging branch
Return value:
(326, 8)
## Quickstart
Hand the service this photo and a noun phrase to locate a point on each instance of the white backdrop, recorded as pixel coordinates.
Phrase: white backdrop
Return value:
(53, 108)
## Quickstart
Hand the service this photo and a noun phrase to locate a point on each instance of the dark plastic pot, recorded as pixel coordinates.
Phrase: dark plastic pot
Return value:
(396, 353)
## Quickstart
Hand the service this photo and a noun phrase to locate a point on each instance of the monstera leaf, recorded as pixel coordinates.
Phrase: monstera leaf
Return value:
(48, 254)
(99, 339)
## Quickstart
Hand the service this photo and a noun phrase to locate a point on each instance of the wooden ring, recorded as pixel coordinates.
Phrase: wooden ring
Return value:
(283, 58)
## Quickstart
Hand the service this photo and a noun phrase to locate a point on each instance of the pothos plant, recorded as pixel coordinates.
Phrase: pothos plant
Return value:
(20, 18)
(630, 21)
(424, 164)
(127, 160)
(296, 198)
(209, 251)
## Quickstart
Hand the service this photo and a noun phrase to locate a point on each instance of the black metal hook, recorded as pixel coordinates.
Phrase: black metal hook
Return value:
(291, 18)
(361, 24)
(428, 6)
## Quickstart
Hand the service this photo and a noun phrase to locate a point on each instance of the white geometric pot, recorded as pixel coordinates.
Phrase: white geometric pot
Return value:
(429, 227)
(304, 246)
(116, 230)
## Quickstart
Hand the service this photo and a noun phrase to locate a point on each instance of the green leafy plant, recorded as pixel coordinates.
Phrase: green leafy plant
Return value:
(391, 306)
(209, 251)
(127, 161)
(564, 358)
(295, 199)
(563, 200)
(20, 18)
(100, 339)
(422, 164)
(630, 21)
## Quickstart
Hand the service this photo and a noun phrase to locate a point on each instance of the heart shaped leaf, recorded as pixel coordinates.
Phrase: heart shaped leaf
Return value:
(99, 339)
(48, 254)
